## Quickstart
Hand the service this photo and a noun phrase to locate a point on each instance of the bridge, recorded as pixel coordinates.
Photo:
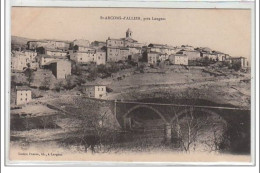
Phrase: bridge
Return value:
(235, 118)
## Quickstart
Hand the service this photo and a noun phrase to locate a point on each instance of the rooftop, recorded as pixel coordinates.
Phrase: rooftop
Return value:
(217, 52)
(160, 46)
(92, 84)
(179, 54)
(54, 50)
(92, 51)
(48, 56)
(22, 88)
(238, 57)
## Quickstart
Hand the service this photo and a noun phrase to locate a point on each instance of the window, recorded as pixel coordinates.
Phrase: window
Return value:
(21, 99)
(101, 89)
(98, 89)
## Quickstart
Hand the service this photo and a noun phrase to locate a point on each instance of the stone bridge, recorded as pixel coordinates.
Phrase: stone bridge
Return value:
(238, 119)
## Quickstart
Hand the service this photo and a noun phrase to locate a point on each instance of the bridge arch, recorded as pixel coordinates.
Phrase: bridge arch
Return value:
(147, 107)
(184, 111)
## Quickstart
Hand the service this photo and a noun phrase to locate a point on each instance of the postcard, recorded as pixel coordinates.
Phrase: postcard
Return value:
(131, 85)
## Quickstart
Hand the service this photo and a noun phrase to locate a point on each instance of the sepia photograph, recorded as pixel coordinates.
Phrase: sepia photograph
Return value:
(130, 85)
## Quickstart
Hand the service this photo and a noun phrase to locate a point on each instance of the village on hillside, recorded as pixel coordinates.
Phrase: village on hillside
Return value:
(43, 61)
(123, 95)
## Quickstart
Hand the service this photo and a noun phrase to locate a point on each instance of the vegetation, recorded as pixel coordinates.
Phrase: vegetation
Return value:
(45, 84)
(30, 75)
(201, 131)
(236, 66)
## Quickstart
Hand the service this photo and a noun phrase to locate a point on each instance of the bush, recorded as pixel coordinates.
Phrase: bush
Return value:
(44, 88)
(71, 82)
(92, 75)
(236, 66)
(109, 90)
(45, 84)
(132, 63)
(29, 74)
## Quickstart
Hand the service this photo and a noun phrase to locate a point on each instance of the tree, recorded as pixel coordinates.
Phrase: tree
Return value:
(45, 84)
(76, 69)
(70, 82)
(59, 86)
(200, 131)
(206, 61)
(30, 75)
(95, 126)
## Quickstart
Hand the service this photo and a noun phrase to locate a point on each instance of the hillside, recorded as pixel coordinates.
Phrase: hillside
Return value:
(19, 42)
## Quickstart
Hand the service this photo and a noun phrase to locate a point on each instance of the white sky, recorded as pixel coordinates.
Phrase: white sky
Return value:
(223, 30)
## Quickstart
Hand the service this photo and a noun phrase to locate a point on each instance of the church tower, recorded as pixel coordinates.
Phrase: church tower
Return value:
(129, 33)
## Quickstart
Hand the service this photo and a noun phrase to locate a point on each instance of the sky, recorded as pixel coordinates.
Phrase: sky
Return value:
(224, 30)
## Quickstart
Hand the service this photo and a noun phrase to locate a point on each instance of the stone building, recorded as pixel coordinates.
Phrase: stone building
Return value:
(211, 56)
(52, 52)
(33, 45)
(34, 65)
(122, 49)
(115, 54)
(20, 60)
(220, 56)
(30, 56)
(95, 91)
(23, 95)
(152, 57)
(161, 48)
(61, 69)
(179, 59)
(83, 49)
(83, 57)
(58, 44)
(100, 57)
(45, 60)
(54, 44)
(242, 61)
(191, 54)
(18, 64)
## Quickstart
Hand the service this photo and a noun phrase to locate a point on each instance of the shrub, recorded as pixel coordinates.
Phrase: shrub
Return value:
(29, 74)
(71, 82)
(45, 84)
(109, 89)
(236, 66)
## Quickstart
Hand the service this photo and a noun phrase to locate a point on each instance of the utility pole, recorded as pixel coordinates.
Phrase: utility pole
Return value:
(115, 107)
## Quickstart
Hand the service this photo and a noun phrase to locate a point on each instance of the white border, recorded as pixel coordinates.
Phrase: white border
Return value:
(143, 4)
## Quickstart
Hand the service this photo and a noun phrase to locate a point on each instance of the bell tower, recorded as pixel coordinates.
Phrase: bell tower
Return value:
(129, 33)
